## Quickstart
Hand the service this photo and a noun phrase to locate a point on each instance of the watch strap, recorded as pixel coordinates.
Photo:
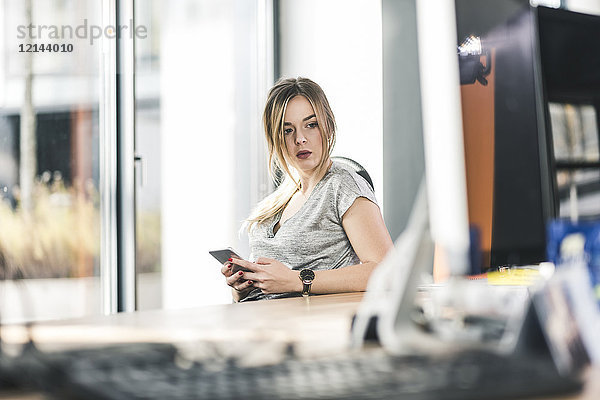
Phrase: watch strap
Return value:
(306, 288)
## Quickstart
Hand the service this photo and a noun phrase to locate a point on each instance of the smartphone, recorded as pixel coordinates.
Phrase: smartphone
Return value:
(224, 255)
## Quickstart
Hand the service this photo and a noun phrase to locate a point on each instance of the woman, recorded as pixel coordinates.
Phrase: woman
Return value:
(322, 218)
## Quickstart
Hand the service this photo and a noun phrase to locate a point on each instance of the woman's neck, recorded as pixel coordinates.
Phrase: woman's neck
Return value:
(308, 181)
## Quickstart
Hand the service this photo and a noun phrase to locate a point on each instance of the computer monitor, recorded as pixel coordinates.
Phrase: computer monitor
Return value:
(439, 218)
(510, 183)
(443, 135)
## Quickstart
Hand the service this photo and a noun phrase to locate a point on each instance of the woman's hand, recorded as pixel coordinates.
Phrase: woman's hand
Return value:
(236, 280)
(270, 276)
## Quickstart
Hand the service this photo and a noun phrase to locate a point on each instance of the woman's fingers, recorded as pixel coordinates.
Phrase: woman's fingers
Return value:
(243, 286)
(239, 281)
(246, 264)
(227, 269)
(234, 278)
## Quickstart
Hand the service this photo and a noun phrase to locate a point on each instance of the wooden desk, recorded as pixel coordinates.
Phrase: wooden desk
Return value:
(315, 324)
(318, 325)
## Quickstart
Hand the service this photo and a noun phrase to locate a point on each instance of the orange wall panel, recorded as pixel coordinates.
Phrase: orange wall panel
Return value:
(478, 125)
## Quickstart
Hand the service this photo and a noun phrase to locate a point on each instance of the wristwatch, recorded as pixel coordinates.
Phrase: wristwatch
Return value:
(306, 276)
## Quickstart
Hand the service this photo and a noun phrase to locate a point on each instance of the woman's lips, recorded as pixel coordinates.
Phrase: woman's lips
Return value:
(303, 154)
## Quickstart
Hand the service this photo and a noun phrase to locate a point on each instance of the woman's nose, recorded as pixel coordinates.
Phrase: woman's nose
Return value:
(300, 138)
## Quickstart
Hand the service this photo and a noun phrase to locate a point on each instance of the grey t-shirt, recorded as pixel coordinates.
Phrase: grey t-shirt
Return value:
(313, 237)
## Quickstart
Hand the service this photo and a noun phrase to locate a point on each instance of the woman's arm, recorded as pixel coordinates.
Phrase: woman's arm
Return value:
(370, 239)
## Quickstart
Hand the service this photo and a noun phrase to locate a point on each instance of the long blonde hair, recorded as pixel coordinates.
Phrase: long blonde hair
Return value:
(273, 119)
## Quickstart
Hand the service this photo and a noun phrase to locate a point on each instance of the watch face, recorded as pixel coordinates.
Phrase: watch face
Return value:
(307, 275)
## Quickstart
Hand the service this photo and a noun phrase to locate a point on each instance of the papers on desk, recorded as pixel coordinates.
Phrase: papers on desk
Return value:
(570, 317)
(473, 312)
(517, 276)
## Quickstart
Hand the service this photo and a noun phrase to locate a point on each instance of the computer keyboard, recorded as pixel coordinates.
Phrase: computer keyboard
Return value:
(157, 371)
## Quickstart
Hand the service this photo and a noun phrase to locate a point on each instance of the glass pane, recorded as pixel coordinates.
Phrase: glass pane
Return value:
(49, 170)
(199, 93)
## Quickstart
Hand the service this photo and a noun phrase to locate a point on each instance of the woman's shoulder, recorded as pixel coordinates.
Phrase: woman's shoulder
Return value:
(345, 185)
(342, 176)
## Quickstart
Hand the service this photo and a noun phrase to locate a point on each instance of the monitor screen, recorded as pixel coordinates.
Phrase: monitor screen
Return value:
(570, 54)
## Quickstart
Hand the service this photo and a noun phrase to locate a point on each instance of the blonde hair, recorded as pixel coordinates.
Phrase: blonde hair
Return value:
(273, 119)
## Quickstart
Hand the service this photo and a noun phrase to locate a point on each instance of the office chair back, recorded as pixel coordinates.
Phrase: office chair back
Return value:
(356, 167)
(351, 164)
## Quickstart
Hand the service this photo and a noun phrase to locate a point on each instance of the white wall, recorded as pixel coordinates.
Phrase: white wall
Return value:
(338, 44)
(584, 6)
(196, 127)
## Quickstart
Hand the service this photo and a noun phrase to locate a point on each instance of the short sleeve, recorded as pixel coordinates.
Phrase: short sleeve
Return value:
(351, 187)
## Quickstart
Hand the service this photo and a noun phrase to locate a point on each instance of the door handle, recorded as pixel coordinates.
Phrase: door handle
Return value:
(140, 166)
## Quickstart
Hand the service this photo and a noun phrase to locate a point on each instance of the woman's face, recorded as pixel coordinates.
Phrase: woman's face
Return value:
(302, 135)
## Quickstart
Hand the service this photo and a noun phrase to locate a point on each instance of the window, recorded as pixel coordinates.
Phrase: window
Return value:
(202, 71)
(49, 160)
(201, 80)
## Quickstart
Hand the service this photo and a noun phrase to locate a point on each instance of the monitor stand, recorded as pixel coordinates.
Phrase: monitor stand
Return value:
(388, 312)
(389, 299)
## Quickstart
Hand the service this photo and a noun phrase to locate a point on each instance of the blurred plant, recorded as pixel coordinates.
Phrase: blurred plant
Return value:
(58, 237)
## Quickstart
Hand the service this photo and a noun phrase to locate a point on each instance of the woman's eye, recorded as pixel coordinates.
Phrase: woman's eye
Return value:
(287, 131)
(313, 125)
